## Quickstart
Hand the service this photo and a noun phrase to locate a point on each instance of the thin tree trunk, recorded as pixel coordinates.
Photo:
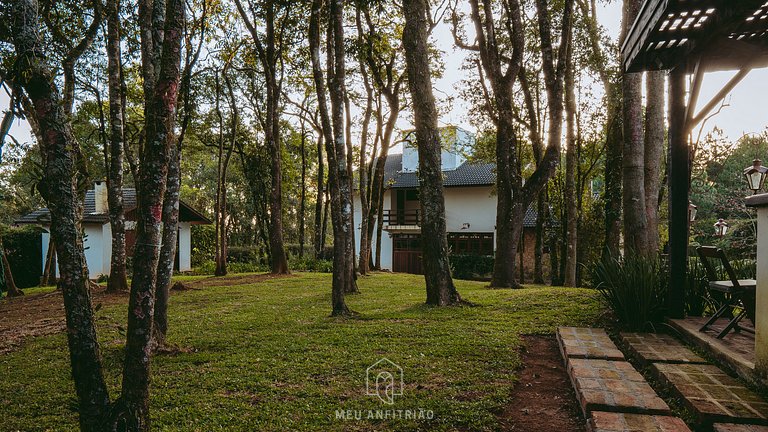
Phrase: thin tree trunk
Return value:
(118, 280)
(338, 175)
(319, 220)
(303, 196)
(654, 149)
(437, 272)
(571, 168)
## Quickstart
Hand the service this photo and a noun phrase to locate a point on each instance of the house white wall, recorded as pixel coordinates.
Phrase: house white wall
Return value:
(473, 205)
(98, 248)
(185, 246)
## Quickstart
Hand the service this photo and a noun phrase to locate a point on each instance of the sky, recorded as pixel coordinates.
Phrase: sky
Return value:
(746, 111)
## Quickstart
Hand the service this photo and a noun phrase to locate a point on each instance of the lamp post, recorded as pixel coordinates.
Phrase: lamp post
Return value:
(692, 209)
(721, 228)
(755, 175)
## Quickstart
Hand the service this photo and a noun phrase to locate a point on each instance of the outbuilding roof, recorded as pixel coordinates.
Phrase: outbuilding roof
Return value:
(42, 216)
(466, 174)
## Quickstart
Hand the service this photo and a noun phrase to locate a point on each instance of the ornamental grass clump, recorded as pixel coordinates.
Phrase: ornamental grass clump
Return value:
(634, 289)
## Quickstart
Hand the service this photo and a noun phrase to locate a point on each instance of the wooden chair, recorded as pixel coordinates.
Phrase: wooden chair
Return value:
(740, 293)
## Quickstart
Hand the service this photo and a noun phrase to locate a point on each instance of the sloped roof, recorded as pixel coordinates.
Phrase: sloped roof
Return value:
(43, 216)
(467, 174)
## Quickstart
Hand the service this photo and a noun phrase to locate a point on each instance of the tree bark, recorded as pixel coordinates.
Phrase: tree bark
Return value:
(338, 174)
(319, 229)
(633, 153)
(571, 168)
(437, 272)
(58, 189)
(654, 150)
(131, 410)
(118, 280)
(269, 54)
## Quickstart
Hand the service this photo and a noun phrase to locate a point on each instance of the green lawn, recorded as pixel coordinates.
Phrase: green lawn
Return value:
(267, 357)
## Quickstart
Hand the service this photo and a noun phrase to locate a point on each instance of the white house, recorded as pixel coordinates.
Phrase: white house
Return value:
(97, 230)
(470, 205)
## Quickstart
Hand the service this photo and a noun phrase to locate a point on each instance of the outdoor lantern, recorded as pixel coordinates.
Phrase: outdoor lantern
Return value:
(755, 175)
(692, 209)
(721, 228)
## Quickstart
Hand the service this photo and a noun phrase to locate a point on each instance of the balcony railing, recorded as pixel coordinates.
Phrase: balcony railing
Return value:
(402, 217)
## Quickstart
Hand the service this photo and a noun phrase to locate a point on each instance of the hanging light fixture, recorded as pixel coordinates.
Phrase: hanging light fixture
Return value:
(721, 228)
(755, 175)
(692, 209)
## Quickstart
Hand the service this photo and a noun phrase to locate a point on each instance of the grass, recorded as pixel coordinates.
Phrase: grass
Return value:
(267, 357)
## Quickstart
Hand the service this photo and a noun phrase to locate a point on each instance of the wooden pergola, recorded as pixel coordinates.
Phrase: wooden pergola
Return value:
(690, 38)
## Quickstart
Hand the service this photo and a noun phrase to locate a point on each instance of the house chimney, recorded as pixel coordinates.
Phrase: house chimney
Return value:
(100, 197)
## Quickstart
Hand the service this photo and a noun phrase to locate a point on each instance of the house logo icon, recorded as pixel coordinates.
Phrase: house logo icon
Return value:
(384, 379)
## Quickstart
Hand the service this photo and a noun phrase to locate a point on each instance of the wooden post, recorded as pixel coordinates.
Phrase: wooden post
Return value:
(678, 194)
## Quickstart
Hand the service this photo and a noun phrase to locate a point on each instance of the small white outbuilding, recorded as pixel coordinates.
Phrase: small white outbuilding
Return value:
(97, 230)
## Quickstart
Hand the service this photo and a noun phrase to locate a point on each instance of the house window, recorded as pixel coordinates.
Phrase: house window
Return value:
(471, 243)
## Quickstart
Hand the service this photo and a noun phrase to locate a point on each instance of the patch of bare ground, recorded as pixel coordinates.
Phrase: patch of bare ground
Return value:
(40, 315)
(543, 399)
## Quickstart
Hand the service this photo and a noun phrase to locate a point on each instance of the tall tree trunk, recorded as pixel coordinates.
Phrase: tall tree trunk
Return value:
(654, 149)
(437, 272)
(571, 168)
(118, 280)
(58, 189)
(633, 153)
(132, 408)
(365, 203)
(319, 220)
(303, 195)
(338, 176)
(168, 249)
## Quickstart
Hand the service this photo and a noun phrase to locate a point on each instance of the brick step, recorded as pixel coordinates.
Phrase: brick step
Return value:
(650, 348)
(587, 343)
(613, 386)
(622, 422)
(712, 395)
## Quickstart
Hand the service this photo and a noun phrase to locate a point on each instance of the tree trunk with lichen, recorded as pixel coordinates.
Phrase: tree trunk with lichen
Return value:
(118, 280)
(343, 279)
(58, 189)
(437, 272)
(653, 157)
(131, 410)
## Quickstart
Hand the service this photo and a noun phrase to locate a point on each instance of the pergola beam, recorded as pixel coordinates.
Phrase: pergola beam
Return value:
(727, 88)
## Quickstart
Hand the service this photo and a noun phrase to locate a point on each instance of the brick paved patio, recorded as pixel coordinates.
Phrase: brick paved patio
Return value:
(712, 395)
(659, 348)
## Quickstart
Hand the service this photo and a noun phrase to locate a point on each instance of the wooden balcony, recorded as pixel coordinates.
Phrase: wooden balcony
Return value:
(402, 217)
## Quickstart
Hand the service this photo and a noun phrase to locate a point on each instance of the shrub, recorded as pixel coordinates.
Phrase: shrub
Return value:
(311, 265)
(244, 254)
(24, 250)
(472, 267)
(209, 267)
(634, 288)
(203, 244)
